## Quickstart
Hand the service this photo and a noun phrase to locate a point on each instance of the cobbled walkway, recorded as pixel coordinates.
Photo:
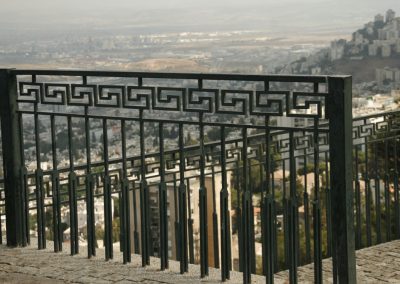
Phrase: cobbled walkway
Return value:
(30, 265)
(378, 264)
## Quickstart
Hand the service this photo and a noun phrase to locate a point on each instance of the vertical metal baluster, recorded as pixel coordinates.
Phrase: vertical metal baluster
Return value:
(120, 182)
(89, 191)
(203, 205)
(251, 223)
(224, 207)
(55, 190)
(126, 213)
(135, 221)
(377, 195)
(239, 215)
(184, 265)
(144, 198)
(246, 217)
(263, 192)
(190, 224)
(25, 191)
(335, 264)
(261, 169)
(268, 215)
(317, 204)
(215, 220)
(396, 190)
(274, 216)
(72, 187)
(27, 214)
(285, 204)
(367, 194)
(91, 230)
(317, 210)
(296, 220)
(203, 201)
(107, 197)
(24, 203)
(387, 193)
(357, 199)
(1, 226)
(163, 203)
(176, 223)
(328, 207)
(292, 214)
(230, 241)
(41, 221)
(307, 228)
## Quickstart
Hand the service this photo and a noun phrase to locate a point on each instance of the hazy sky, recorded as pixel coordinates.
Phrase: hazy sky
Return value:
(286, 16)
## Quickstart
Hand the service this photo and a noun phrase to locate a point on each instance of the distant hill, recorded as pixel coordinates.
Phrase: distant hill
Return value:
(363, 70)
(373, 48)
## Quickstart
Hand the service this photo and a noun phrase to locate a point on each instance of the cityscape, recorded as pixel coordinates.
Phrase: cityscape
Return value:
(122, 129)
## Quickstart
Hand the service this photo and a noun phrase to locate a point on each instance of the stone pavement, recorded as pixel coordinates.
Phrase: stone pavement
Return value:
(378, 264)
(29, 265)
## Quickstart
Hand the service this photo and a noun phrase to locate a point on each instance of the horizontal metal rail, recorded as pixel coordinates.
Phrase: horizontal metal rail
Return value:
(157, 75)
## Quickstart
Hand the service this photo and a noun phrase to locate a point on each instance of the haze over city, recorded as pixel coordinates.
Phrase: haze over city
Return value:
(21, 19)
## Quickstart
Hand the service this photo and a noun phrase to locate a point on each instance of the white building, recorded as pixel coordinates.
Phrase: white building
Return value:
(386, 51)
(337, 49)
(379, 18)
(390, 15)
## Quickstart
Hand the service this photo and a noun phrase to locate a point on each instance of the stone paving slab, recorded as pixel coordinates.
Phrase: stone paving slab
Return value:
(29, 265)
(378, 264)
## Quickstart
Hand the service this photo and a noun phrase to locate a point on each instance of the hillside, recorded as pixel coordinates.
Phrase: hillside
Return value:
(363, 70)
(372, 55)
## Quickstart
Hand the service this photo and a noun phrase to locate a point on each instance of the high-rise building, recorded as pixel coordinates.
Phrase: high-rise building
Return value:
(379, 18)
(390, 15)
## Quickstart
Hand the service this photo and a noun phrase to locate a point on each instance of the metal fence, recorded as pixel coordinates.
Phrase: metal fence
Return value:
(236, 172)
(376, 178)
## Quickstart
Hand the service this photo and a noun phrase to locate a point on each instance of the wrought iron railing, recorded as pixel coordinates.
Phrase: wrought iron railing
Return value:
(376, 178)
(231, 171)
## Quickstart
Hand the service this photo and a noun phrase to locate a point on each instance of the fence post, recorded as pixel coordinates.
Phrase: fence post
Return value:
(339, 111)
(10, 134)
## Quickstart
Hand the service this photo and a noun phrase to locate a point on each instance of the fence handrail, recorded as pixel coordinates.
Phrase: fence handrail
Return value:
(173, 75)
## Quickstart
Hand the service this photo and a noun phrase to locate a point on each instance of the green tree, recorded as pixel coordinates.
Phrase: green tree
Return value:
(309, 168)
(214, 134)
(189, 140)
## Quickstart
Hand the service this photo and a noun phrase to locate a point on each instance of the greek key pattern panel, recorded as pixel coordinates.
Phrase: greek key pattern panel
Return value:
(374, 127)
(195, 100)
